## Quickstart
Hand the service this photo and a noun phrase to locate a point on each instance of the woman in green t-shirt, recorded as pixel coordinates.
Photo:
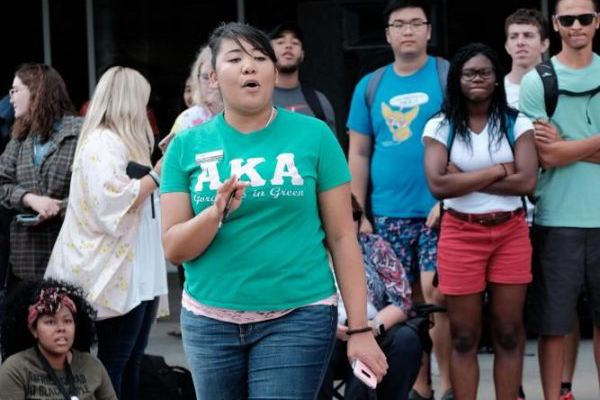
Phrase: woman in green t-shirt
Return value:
(247, 199)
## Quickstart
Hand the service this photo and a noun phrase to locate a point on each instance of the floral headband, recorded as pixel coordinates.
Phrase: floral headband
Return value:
(50, 302)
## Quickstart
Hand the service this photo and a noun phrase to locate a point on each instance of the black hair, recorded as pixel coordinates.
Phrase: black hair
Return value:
(394, 5)
(237, 31)
(14, 333)
(454, 107)
(594, 3)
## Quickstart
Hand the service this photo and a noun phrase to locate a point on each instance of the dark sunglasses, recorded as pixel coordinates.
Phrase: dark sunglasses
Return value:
(356, 215)
(569, 20)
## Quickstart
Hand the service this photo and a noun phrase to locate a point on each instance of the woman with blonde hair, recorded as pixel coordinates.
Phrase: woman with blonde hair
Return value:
(206, 98)
(110, 243)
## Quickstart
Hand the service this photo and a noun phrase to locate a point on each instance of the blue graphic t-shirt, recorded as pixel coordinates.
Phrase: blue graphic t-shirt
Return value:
(401, 107)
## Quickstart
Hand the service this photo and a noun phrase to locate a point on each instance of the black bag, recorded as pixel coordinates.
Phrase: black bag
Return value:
(159, 381)
(137, 171)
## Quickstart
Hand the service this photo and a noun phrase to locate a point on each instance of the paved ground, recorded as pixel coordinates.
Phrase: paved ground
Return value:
(585, 382)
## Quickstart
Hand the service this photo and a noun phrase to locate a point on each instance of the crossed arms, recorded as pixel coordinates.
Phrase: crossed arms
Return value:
(554, 151)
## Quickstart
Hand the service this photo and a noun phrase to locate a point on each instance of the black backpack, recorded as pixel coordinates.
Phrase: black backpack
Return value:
(159, 381)
(551, 89)
(313, 101)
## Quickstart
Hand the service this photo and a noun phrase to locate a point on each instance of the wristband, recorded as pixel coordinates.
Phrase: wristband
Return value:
(350, 332)
(155, 177)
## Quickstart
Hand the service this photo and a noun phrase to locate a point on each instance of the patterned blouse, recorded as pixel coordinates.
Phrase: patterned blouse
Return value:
(95, 247)
(195, 115)
(386, 279)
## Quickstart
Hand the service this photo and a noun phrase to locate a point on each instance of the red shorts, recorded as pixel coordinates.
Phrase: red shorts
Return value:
(470, 254)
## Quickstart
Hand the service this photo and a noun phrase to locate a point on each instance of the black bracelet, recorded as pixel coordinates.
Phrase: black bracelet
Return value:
(359, 330)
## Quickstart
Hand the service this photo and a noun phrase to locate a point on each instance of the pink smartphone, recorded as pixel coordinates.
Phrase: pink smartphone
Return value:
(362, 372)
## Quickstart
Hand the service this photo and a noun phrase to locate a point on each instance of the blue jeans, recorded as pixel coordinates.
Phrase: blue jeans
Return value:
(283, 358)
(121, 344)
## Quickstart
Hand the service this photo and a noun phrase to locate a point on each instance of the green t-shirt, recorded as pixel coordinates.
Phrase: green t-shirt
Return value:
(269, 254)
(567, 196)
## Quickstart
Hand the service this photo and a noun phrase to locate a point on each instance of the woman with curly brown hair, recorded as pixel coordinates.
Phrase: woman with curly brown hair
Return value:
(46, 335)
(35, 168)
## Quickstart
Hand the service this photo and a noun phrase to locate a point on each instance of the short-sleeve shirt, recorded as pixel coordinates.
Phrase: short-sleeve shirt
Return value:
(512, 92)
(293, 100)
(22, 377)
(567, 196)
(401, 107)
(479, 155)
(269, 254)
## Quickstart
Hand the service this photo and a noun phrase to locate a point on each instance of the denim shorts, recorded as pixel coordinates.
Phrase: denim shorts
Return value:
(283, 358)
(414, 243)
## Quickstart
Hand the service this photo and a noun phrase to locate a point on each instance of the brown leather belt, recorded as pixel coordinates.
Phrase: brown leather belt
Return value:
(487, 219)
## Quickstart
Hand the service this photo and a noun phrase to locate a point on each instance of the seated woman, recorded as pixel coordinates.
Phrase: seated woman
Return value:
(388, 307)
(46, 334)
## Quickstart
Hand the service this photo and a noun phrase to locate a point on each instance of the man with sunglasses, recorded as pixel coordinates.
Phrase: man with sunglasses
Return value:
(566, 234)
(385, 126)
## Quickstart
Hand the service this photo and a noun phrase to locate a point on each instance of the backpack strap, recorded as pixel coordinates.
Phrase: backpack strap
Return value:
(591, 92)
(450, 140)
(442, 66)
(548, 75)
(510, 130)
(510, 136)
(372, 86)
(311, 97)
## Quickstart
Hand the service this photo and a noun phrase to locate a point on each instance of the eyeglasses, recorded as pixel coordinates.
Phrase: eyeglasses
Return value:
(14, 91)
(569, 20)
(470, 74)
(415, 24)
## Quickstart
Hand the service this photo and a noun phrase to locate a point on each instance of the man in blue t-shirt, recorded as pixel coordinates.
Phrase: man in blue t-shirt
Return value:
(385, 149)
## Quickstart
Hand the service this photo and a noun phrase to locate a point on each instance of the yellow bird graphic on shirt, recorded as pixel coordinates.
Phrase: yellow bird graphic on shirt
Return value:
(398, 121)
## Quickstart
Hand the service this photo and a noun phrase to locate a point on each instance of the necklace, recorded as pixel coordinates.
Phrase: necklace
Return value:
(270, 117)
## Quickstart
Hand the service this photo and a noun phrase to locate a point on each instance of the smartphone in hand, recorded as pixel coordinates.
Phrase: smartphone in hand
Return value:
(28, 219)
(364, 373)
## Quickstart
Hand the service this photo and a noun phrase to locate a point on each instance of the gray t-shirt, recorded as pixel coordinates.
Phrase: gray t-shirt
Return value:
(22, 377)
(293, 100)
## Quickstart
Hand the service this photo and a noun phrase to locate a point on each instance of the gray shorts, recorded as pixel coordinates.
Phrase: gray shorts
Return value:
(565, 260)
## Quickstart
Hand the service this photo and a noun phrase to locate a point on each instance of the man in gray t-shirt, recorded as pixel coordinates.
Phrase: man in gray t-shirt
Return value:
(289, 93)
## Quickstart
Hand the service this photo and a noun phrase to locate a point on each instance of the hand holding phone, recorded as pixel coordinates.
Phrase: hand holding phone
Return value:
(28, 219)
(364, 373)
